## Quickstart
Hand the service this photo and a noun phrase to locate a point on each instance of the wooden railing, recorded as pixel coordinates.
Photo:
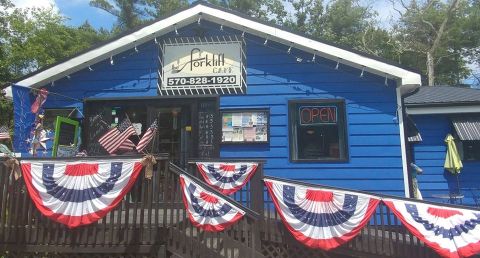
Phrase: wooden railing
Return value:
(152, 221)
(136, 226)
(240, 240)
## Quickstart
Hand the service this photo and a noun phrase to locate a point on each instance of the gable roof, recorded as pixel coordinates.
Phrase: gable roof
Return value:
(233, 19)
(443, 95)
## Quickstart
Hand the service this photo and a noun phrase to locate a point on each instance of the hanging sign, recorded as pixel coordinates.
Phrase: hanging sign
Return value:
(314, 115)
(202, 65)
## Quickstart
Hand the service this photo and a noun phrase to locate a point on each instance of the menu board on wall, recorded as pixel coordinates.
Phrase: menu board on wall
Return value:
(250, 126)
(206, 129)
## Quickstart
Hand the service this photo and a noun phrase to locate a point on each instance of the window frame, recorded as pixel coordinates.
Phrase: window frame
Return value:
(246, 110)
(292, 136)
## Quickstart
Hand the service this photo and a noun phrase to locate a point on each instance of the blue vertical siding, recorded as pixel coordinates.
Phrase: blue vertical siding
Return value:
(273, 78)
(430, 156)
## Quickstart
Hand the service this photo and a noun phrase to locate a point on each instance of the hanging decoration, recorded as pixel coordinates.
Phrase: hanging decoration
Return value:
(450, 232)
(227, 177)
(318, 217)
(77, 193)
(207, 210)
(40, 100)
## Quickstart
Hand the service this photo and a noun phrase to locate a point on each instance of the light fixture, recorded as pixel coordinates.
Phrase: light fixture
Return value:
(111, 60)
(299, 59)
(266, 41)
(90, 68)
(176, 31)
(243, 34)
(363, 69)
(52, 83)
(68, 77)
(155, 40)
(199, 19)
(136, 49)
(386, 80)
(221, 27)
(338, 64)
(313, 58)
(289, 50)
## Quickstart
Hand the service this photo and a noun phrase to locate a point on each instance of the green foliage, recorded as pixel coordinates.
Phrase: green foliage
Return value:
(38, 37)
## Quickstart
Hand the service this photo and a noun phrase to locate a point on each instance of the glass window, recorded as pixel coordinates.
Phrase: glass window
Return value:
(317, 130)
(471, 150)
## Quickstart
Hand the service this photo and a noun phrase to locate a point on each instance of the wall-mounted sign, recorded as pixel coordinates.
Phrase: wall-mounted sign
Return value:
(203, 65)
(313, 115)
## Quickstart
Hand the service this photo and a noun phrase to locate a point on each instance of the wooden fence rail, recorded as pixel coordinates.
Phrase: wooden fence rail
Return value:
(151, 221)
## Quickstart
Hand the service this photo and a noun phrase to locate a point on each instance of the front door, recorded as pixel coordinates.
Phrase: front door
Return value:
(172, 137)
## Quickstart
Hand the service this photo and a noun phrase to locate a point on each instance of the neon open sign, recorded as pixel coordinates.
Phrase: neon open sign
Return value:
(312, 115)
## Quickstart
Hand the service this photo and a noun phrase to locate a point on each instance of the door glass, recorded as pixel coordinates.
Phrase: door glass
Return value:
(169, 131)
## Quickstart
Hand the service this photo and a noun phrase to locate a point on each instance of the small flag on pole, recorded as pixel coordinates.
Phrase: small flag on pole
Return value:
(147, 136)
(4, 133)
(117, 136)
(40, 100)
(127, 145)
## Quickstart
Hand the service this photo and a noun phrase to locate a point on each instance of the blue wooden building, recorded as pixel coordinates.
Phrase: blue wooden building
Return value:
(438, 111)
(224, 85)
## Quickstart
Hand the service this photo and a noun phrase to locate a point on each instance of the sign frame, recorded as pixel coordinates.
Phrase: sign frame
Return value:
(58, 123)
(223, 78)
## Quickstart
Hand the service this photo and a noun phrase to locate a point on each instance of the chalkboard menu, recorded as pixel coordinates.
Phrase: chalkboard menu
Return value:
(207, 117)
(66, 133)
(96, 127)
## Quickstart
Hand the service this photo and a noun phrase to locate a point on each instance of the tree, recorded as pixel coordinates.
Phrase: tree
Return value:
(432, 32)
(161, 8)
(129, 13)
(38, 37)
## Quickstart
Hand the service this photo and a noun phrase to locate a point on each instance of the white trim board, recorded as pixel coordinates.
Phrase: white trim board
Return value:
(190, 15)
(442, 110)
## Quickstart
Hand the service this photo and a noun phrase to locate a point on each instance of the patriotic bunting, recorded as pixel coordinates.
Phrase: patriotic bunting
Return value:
(207, 210)
(227, 177)
(450, 232)
(78, 193)
(321, 218)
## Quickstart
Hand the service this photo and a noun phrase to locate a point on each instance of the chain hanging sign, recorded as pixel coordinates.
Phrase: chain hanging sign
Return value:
(202, 66)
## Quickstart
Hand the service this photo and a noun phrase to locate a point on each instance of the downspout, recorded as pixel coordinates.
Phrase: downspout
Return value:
(403, 91)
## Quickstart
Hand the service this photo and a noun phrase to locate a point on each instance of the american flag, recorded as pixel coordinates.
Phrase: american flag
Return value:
(117, 136)
(147, 136)
(4, 133)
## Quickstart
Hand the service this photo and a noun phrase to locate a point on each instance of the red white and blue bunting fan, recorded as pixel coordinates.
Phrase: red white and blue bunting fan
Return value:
(78, 193)
(227, 177)
(319, 217)
(450, 232)
(207, 210)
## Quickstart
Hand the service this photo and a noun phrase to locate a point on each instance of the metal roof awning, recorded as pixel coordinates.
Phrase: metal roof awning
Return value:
(467, 128)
